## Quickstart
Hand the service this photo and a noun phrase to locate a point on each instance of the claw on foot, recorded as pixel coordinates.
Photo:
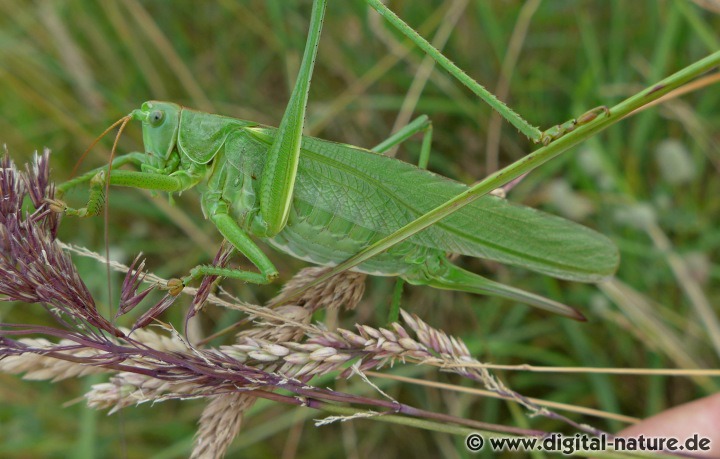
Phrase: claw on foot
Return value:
(56, 205)
(175, 286)
(592, 114)
(560, 130)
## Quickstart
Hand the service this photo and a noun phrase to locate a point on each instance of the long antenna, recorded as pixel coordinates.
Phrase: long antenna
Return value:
(106, 214)
(123, 120)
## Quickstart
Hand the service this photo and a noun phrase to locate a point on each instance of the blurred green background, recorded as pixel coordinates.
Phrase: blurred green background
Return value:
(69, 68)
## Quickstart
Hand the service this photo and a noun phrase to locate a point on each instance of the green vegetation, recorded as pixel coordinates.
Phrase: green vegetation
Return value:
(69, 69)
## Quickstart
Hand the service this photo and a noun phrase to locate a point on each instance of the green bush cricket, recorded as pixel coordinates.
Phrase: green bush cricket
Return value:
(325, 202)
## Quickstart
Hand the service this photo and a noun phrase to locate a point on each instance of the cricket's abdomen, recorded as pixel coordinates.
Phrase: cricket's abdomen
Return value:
(331, 219)
(326, 239)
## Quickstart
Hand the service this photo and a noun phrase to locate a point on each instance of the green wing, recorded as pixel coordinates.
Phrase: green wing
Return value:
(383, 194)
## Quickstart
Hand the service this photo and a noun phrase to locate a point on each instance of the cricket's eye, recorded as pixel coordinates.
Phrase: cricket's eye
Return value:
(156, 117)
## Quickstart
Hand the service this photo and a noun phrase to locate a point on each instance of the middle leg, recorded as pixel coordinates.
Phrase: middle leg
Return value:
(236, 236)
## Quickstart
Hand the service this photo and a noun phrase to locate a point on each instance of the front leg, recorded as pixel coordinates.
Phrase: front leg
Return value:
(135, 158)
(172, 183)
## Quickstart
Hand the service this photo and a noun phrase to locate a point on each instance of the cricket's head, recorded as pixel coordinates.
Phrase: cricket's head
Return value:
(160, 123)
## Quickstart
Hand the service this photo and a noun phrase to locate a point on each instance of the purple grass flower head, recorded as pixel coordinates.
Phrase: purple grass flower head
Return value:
(33, 267)
(41, 189)
(221, 260)
(129, 296)
(12, 189)
(154, 311)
